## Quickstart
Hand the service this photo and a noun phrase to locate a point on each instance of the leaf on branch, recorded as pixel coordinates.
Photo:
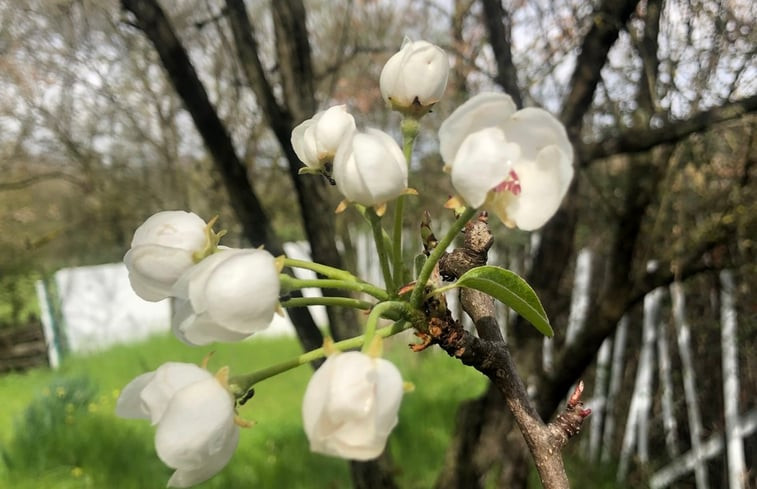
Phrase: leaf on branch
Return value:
(510, 289)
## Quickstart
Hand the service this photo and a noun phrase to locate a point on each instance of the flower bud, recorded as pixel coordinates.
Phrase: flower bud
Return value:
(369, 168)
(351, 404)
(194, 412)
(226, 297)
(518, 165)
(316, 140)
(162, 249)
(415, 78)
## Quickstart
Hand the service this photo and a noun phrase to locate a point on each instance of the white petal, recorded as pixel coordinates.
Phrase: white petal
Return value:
(480, 111)
(153, 269)
(129, 404)
(316, 396)
(483, 161)
(198, 423)
(201, 330)
(534, 129)
(332, 127)
(212, 465)
(419, 70)
(176, 229)
(147, 289)
(242, 293)
(351, 388)
(168, 380)
(198, 277)
(350, 406)
(389, 392)
(303, 143)
(370, 168)
(543, 183)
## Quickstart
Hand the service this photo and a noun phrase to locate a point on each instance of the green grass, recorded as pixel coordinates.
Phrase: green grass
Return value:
(58, 430)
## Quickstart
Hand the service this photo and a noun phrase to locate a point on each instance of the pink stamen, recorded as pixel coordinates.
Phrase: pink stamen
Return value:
(512, 184)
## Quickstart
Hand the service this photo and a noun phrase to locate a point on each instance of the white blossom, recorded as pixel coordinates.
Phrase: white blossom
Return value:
(369, 168)
(194, 412)
(226, 297)
(417, 73)
(162, 250)
(350, 406)
(517, 165)
(316, 140)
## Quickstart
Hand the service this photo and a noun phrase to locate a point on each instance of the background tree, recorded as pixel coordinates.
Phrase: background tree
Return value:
(658, 97)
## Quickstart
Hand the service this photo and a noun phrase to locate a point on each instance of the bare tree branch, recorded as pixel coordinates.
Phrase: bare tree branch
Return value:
(639, 140)
(41, 177)
(608, 20)
(498, 26)
(489, 354)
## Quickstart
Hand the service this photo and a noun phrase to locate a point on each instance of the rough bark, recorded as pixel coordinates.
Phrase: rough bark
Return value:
(488, 353)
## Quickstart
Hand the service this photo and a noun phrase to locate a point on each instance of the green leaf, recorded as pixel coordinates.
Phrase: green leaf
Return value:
(510, 289)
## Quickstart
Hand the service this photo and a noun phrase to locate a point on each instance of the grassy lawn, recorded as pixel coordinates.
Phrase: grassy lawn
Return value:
(58, 430)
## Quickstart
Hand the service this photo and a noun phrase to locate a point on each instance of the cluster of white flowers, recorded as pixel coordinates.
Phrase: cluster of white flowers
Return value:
(194, 413)
(517, 164)
(224, 296)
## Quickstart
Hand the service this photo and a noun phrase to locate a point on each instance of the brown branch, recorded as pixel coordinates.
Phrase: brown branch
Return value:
(276, 116)
(497, 23)
(294, 58)
(489, 354)
(41, 177)
(608, 20)
(639, 140)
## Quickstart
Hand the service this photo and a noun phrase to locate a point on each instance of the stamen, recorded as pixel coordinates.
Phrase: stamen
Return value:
(512, 184)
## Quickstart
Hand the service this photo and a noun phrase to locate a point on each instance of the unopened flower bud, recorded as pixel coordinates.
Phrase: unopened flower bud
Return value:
(370, 169)
(162, 249)
(316, 140)
(194, 412)
(228, 296)
(351, 404)
(415, 78)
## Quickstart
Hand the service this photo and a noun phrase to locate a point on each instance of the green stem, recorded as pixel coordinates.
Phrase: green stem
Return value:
(291, 283)
(409, 127)
(328, 301)
(325, 270)
(376, 313)
(239, 385)
(397, 265)
(416, 299)
(378, 237)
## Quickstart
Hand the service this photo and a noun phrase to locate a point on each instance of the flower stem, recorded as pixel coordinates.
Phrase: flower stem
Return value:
(289, 283)
(416, 299)
(325, 270)
(376, 313)
(409, 128)
(378, 237)
(328, 301)
(399, 210)
(239, 385)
